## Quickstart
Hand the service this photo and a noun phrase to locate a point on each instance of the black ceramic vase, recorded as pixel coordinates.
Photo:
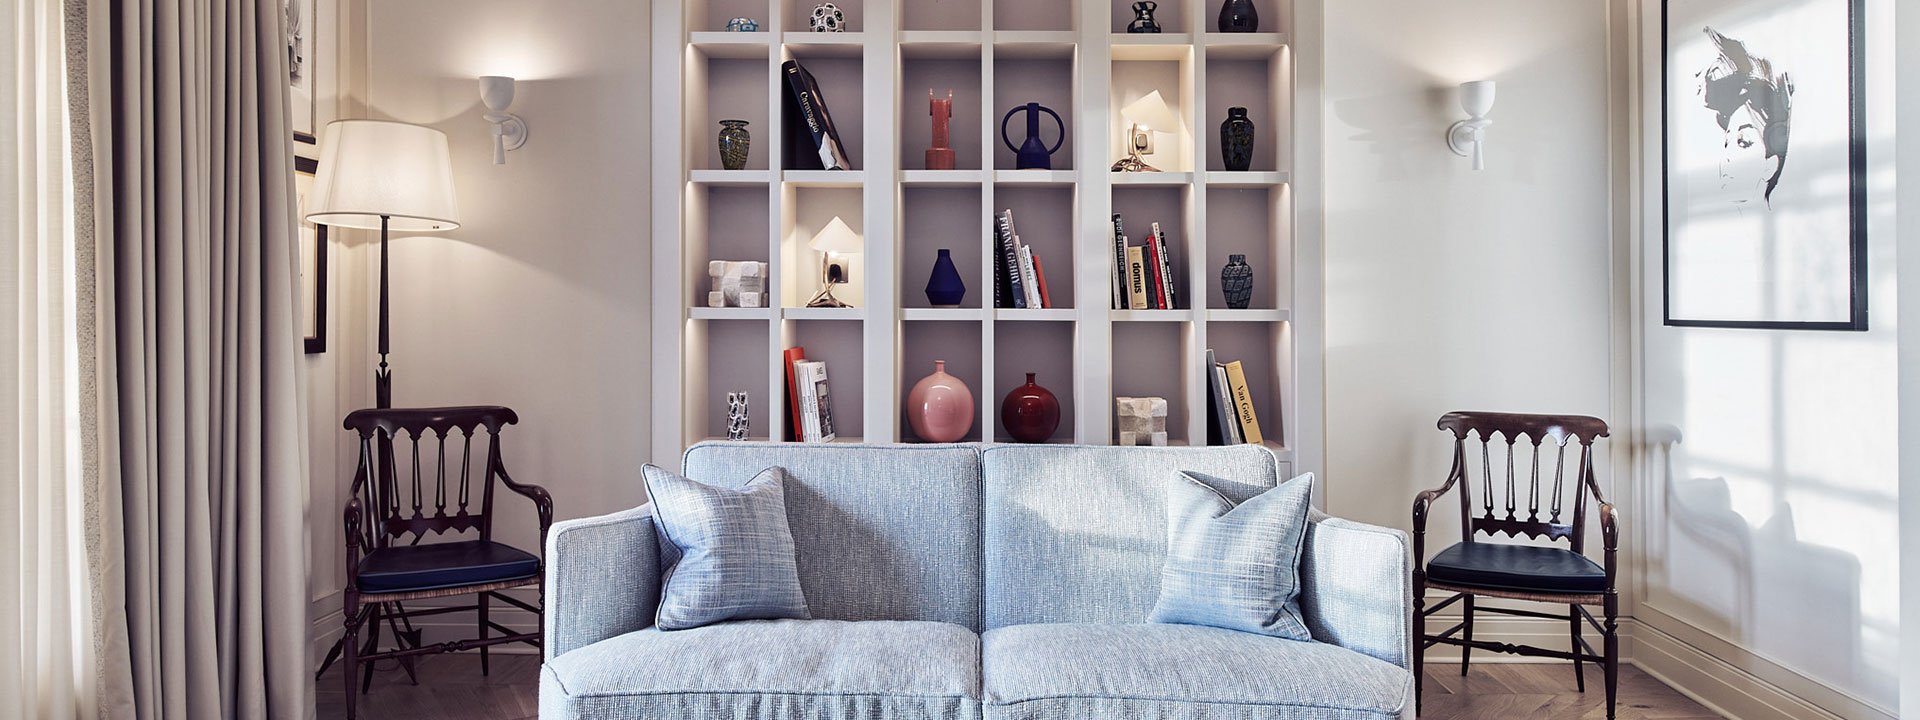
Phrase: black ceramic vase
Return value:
(1143, 21)
(1236, 282)
(1239, 16)
(1236, 140)
(734, 143)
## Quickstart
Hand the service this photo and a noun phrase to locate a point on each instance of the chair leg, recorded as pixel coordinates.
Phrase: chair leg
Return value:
(373, 644)
(482, 611)
(1419, 632)
(350, 654)
(1579, 672)
(1466, 630)
(1612, 651)
(405, 641)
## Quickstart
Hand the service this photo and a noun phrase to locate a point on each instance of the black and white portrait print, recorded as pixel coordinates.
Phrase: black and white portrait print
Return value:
(1763, 156)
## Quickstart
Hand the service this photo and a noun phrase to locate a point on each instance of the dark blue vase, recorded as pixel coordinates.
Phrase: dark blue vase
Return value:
(945, 288)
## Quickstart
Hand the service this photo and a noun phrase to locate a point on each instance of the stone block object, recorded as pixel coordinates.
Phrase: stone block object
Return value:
(737, 283)
(1141, 421)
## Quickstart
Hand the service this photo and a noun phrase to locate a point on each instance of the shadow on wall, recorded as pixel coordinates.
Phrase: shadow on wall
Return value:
(1718, 561)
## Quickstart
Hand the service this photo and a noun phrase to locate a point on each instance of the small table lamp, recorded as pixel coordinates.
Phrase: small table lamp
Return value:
(386, 175)
(836, 237)
(1147, 114)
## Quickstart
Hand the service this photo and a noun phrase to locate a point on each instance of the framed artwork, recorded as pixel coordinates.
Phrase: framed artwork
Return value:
(301, 28)
(1764, 164)
(313, 250)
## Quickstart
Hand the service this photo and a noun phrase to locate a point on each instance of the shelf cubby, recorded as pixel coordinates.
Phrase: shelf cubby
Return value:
(838, 344)
(957, 343)
(1021, 80)
(940, 68)
(938, 15)
(839, 79)
(1136, 78)
(736, 90)
(1252, 83)
(804, 211)
(1046, 349)
(1033, 15)
(1043, 217)
(936, 218)
(1151, 359)
(1258, 347)
(732, 224)
(734, 352)
(1139, 207)
(796, 12)
(1247, 222)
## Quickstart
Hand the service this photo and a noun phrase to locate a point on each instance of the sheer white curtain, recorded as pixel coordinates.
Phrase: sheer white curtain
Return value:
(62, 636)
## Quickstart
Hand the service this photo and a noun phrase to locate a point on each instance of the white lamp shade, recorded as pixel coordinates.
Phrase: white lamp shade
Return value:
(1152, 113)
(371, 169)
(836, 237)
(1477, 97)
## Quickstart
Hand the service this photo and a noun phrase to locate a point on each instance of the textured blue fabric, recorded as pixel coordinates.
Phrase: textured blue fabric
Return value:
(735, 557)
(1356, 588)
(883, 532)
(1079, 533)
(1529, 568)
(603, 579)
(404, 568)
(1062, 671)
(771, 670)
(1233, 555)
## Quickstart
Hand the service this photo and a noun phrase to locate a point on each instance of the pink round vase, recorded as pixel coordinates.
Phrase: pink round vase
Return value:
(940, 407)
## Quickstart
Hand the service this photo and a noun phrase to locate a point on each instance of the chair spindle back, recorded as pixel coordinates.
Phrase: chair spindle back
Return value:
(1513, 505)
(405, 493)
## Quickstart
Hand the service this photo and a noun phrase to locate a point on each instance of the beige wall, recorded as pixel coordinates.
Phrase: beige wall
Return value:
(1447, 288)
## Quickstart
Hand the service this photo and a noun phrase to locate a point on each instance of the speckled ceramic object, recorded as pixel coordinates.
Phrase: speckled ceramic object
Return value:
(743, 24)
(940, 406)
(1236, 282)
(735, 142)
(827, 17)
(1236, 140)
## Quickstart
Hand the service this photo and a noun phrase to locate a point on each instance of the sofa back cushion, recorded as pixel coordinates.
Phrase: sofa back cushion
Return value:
(1079, 534)
(879, 533)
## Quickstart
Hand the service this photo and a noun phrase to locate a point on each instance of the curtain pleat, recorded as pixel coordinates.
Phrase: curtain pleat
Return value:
(213, 488)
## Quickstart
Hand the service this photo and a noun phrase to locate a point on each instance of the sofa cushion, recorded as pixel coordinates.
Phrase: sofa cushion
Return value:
(881, 532)
(732, 553)
(773, 669)
(1517, 567)
(1048, 672)
(1233, 555)
(1051, 559)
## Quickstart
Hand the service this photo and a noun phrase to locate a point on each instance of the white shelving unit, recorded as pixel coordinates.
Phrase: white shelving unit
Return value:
(1074, 57)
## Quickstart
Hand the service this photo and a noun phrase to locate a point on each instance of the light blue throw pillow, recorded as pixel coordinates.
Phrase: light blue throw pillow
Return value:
(1233, 555)
(728, 552)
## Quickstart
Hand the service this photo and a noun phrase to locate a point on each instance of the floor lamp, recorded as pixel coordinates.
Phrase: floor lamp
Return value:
(390, 176)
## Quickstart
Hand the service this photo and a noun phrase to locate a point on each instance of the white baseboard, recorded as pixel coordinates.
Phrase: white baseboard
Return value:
(1736, 683)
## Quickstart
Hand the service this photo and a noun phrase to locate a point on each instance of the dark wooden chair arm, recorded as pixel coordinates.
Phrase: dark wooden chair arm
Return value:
(542, 503)
(1424, 502)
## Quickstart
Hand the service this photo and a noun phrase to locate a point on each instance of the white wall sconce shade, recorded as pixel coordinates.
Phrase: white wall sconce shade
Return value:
(1468, 138)
(375, 169)
(509, 131)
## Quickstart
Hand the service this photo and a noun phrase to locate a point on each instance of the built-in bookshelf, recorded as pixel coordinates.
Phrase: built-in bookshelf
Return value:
(1074, 57)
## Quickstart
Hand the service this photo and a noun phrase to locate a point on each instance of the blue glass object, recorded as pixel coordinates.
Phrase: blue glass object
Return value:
(944, 287)
(1033, 153)
(743, 24)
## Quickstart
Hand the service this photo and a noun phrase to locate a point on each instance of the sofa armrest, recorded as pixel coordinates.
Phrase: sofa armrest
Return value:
(603, 579)
(1357, 588)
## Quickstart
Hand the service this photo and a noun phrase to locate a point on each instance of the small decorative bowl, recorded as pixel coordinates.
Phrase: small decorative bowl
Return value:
(743, 24)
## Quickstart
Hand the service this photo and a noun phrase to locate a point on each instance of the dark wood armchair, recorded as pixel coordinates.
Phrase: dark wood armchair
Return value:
(444, 489)
(1549, 574)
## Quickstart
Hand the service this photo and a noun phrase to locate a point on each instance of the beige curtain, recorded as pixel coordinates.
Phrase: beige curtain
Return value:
(192, 180)
(62, 630)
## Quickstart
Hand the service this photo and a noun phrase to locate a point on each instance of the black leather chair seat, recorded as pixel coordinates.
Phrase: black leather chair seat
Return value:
(443, 565)
(1525, 568)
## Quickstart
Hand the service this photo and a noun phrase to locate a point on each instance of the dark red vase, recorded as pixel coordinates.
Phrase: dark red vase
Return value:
(1030, 413)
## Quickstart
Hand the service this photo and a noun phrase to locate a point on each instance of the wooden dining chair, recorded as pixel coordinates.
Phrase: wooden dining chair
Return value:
(1530, 508)
(397, 499)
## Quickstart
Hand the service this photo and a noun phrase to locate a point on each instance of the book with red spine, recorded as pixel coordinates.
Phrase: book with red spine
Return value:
(1156, 291)
(1164, 257)
(793, 355)
(1040, 278)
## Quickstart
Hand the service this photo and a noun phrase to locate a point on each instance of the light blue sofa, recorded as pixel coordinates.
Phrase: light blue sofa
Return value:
(964, 581)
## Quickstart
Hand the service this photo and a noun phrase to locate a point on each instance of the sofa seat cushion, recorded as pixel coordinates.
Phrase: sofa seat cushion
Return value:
(823, 669)
(1517, 567)
(409, 568)
(1168, 672)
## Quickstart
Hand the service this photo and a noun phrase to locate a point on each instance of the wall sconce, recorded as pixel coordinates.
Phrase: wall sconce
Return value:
(836, 237)
(1145, 116)
(1468, 138)
(509, 131)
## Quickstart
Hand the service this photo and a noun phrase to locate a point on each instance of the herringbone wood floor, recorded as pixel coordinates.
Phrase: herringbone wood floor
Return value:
(451, 688)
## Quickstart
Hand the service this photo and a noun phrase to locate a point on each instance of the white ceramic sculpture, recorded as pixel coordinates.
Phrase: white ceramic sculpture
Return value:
(1141, 421)
(737, 283)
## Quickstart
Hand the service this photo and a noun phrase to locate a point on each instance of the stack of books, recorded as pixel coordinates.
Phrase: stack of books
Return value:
(1143, 274)
(807, 397)
(1019, 278)
(1231, 419)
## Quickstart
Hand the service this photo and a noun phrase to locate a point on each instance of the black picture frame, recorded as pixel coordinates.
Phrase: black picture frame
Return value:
(1856, 195)
(305, 165)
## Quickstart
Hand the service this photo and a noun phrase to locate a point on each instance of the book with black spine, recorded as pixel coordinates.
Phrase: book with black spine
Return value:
(813, 143)
(1010, 260)
(1164, 261)
(1221, 421)
(1121, 298)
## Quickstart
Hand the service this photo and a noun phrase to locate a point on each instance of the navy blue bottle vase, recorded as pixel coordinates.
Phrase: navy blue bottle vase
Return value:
(944, 287)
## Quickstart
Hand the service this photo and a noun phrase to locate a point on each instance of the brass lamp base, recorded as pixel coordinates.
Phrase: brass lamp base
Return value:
(825, 299)
(1133, 163)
